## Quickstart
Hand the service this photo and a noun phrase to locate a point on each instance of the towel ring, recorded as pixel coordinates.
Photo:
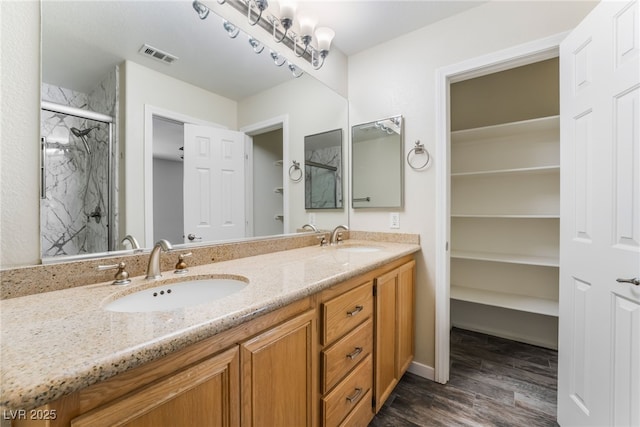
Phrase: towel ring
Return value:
(418, 150)
(292, 172)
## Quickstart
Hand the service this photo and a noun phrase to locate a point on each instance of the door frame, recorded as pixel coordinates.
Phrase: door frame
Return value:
(527, 53)
(273, 123)
(149, 112)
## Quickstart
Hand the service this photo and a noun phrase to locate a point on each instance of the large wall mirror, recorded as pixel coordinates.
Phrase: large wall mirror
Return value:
(323, 170)
(144, 72)
(377, 164)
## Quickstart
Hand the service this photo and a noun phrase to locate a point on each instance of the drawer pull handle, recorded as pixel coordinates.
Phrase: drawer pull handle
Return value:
(354, 353)
(355, 396)
(355, 311)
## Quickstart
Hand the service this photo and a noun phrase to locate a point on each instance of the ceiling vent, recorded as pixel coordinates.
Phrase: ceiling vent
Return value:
(157, 54)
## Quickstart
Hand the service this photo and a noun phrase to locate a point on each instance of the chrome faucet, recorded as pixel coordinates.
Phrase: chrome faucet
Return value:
(336, 234)
(310, 226)
(153, 269)
(132, 240)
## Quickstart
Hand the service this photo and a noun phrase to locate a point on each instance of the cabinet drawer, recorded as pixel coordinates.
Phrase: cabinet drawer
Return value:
(343, 313)
(346, 353)
(361, 415)
(346, 396)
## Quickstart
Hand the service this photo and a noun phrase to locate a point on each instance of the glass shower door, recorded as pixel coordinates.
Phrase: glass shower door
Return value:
(74, 206)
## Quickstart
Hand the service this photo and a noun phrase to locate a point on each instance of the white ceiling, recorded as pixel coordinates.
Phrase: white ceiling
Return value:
(83, 40)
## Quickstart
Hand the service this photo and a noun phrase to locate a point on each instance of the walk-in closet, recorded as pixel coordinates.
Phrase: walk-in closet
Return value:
(505, 203)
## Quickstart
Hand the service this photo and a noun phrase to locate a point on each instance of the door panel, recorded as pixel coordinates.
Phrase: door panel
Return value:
(599, 340)
(213, 184)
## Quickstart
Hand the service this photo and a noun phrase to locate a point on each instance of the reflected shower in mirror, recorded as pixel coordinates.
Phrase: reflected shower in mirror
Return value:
(377, 164)
(75, 174)
(323, 170)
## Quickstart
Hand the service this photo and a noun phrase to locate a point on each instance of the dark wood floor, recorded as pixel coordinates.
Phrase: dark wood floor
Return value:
(493, 382)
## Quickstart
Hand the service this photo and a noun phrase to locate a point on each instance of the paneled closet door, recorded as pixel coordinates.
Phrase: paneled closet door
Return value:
(599, 340)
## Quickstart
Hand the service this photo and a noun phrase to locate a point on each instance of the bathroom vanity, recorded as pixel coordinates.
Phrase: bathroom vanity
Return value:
(319, 336)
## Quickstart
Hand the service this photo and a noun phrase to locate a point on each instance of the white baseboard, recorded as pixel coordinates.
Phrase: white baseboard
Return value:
(540, 342)
(421, 370)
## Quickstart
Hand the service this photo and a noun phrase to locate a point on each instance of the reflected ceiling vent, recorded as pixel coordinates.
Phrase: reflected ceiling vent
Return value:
(157, 54)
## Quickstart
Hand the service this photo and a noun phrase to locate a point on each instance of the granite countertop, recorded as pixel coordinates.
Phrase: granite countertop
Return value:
(54, 343)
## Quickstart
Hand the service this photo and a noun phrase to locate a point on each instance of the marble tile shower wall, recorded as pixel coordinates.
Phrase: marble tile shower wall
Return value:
(75, 213)
(323, 186)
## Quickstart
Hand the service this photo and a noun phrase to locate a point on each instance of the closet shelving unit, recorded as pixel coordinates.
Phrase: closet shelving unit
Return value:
(505, 215)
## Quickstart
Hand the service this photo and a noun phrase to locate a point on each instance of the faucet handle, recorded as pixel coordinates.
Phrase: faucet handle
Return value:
(322, 239)
(181, 266)
(122, 277)
(339, 237)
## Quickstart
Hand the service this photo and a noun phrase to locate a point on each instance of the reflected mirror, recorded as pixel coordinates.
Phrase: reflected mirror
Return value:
(377, 164)
(323, 170)
(152, 68)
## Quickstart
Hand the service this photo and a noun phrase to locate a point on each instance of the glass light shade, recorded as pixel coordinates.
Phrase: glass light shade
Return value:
(324, 36)
(306, 26)
(287, 10)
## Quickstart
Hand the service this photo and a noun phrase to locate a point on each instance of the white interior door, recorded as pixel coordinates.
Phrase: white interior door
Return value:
(214, 179)
(599, 337)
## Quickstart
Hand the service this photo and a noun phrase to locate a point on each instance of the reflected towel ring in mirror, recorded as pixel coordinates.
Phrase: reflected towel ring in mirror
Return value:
(418, 150)
(295, 177)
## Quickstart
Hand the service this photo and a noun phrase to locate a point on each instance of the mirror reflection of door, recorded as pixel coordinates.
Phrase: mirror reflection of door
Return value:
(198, 182)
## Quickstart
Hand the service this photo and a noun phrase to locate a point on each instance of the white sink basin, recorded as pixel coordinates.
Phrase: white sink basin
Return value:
(177, 295)
(359, 249)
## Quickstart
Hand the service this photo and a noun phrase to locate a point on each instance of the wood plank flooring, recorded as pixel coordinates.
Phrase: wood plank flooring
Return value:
(493, 382)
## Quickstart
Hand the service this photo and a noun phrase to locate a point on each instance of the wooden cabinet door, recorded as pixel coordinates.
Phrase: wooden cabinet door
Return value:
(405, 317)
(206, 394)
(394, 329)
(278, 375)
(385, 337)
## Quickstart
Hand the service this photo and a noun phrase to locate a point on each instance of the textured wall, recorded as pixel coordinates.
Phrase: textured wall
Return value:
(19, 134)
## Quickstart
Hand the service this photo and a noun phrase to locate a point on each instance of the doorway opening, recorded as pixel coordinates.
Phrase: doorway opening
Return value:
(460, 212)
(267, 184)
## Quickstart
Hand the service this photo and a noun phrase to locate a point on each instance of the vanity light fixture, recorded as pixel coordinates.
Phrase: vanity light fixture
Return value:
(295, 70)
(325, 36)
(280, 24)
(202, 10)
(287, 14)
(307, 26)
(231, 29)
(278, 59)
(256, 45)
(261, 5)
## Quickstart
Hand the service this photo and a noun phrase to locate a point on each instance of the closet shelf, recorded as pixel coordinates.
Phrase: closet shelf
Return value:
(545, 261)
(506, 172)
(505, 300)
(523, 216)
(507, 129)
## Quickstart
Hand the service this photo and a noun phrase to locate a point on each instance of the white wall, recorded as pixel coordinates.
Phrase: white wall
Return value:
(20, 133)
(143, 86)
(398, 77)
(305, 118)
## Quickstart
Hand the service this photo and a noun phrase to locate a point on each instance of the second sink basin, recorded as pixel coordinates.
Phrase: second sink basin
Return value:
(177, 295)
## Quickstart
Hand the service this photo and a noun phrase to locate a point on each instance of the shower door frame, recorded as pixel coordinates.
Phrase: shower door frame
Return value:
(97, 117)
